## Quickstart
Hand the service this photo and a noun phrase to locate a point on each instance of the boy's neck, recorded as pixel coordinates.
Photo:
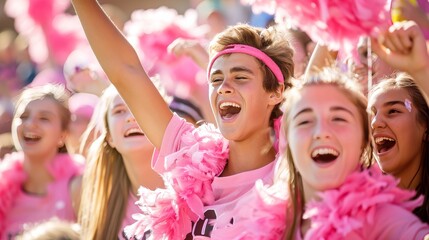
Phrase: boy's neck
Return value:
(248, 155)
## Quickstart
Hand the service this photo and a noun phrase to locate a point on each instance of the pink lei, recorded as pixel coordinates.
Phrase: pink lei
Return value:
(353, 205)
(12, 176)
(168, 213)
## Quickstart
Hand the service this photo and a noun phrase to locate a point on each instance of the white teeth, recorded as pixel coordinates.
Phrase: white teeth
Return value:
(32, 136)
(323, 151)
(380, 139)
(229, 104)
(133, 130)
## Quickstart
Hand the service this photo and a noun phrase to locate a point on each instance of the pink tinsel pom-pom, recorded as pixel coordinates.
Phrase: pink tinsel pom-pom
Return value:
(178, 74)
(337, 24)
(51, 33)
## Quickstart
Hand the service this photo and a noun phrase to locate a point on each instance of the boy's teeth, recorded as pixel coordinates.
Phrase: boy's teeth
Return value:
(229, 104)
(30, 136)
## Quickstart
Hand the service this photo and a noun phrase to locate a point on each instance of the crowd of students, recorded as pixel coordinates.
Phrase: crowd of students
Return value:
(294, 148)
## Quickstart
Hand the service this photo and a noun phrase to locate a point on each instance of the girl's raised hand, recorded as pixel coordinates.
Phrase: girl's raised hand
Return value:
(403, 47)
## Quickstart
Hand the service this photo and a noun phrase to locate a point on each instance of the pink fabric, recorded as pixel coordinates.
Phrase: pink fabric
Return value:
(254, 52)
(170, 142)
(184, 161)
(262, 219)
(27, 208)
(132, 208)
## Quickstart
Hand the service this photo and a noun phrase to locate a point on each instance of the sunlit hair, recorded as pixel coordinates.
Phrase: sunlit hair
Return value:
(106, 185)
(404, 81)
(350, 89)
(55, 92)
(272, 42)
(53, 229)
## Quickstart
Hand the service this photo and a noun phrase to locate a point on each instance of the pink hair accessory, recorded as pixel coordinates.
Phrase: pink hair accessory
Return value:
(254, 52)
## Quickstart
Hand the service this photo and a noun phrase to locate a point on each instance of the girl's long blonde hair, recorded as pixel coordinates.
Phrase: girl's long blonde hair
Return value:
(106, 185)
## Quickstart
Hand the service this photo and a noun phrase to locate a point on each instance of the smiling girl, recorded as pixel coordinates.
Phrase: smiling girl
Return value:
(39, 181)
(118, 163)
(400, 114)
(335, 193)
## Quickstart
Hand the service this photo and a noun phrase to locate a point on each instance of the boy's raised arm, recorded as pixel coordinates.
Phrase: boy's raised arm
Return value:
(120, 62)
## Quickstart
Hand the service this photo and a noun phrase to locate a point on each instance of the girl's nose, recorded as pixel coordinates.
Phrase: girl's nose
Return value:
(377, 122)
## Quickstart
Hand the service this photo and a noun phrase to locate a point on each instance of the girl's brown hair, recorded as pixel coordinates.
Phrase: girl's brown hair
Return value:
(327, 76)
(404, 81)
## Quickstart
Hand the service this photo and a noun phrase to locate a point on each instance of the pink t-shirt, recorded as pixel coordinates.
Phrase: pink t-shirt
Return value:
(227, 190)
(30, 208)
(132, 208)
(19, 208)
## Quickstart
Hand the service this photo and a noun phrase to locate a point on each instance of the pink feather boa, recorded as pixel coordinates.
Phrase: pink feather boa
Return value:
(340, 211)
(12, 176)
(359, 198)
(168, 213)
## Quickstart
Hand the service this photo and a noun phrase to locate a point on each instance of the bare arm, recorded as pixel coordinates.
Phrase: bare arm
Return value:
(403, 47)
(320, 58)
(123, 68)
(191, 48)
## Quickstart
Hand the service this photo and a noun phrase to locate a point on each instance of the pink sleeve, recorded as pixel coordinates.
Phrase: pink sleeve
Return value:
(393, 222)
(170, 142)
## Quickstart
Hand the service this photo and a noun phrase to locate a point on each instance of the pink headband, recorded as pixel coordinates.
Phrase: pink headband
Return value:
(240, 48)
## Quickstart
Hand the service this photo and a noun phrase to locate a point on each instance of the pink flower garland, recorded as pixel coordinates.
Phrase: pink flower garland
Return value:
(349, 207)
(12, 176)
(168, 213)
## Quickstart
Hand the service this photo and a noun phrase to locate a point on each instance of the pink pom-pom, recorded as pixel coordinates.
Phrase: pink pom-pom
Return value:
(335, 23)
(51, 33)
(178, 74)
